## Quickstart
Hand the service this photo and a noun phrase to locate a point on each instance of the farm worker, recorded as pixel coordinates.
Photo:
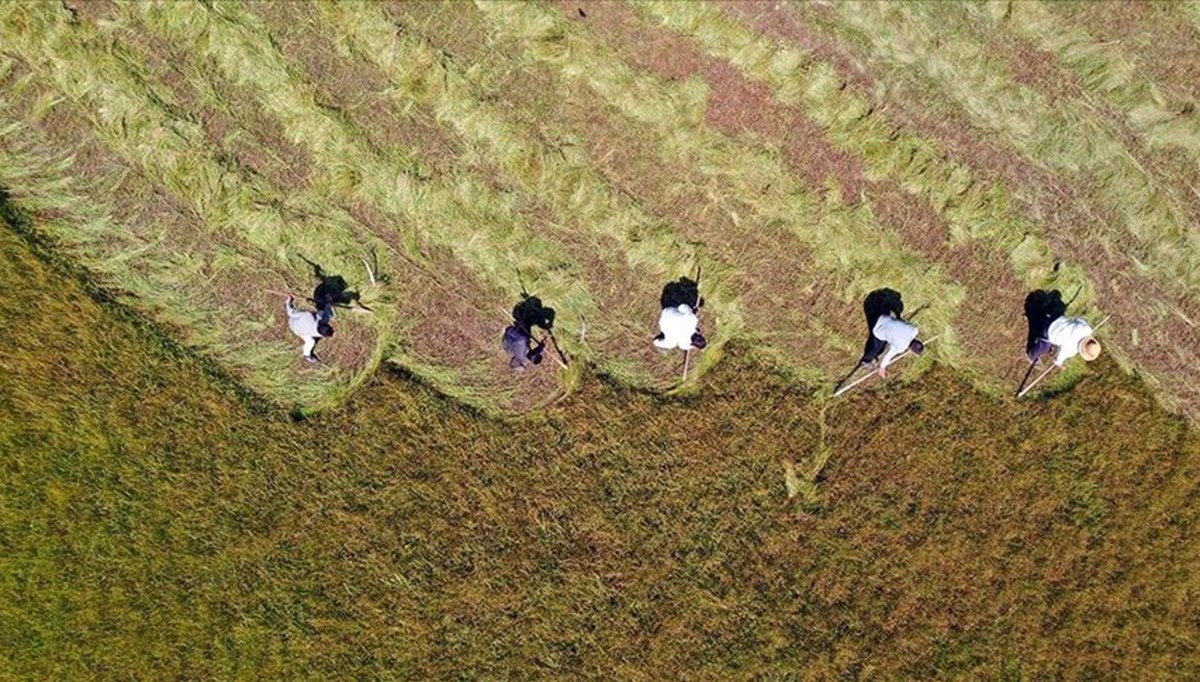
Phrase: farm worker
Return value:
(886, 329)
(679, 328)
(1072, 336)
(516, 344)
(1041, 308)
(679, 325)
(310, 326)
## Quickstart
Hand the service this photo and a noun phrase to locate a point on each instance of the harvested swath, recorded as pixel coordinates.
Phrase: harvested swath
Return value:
(447, 338)
(1070, 140)
(157, 256)
(627, 158)
(558, 188)
(1166, 44)
(243, 133)
(735, 105)
(756, 174)
(1060, 206)
(353, 87)
(458, 206)
(1160, 132)
(992, 291)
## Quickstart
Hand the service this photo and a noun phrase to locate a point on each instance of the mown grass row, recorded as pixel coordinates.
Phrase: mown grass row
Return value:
(971, 209)
(159, 272)
(1104, 70)
(844, 239)
(562, 177)
(459, 212)
(316, 212)
(1059, 135)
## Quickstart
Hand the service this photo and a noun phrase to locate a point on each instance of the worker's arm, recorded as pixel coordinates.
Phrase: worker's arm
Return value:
(310, 345)
(892, 352)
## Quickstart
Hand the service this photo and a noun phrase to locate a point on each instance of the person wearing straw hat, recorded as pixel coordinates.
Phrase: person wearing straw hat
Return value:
(1072, 336)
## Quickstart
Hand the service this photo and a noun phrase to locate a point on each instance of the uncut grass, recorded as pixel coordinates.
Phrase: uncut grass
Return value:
(387, 180)
(753, 174)
(561, 200)
(445, 326)
(624, 158)
(1153, 321)
(643, 538)
(1064, 138)
(991, 293)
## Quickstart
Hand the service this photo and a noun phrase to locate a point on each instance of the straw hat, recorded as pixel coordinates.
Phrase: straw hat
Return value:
(1089, 349)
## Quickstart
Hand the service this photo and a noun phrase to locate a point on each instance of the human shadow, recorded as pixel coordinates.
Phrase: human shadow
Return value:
(518, 341)
(1041, 308)
(878, 303)
(679, 323)
(332, 291)
(684, 291)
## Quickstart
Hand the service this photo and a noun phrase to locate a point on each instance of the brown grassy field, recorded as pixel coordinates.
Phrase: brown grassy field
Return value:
(184, 497)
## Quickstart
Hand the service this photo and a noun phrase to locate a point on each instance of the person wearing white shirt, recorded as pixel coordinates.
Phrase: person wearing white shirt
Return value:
(679, 322)
(886, 331)
(1072, 336)
(310, 326)
(679, 328)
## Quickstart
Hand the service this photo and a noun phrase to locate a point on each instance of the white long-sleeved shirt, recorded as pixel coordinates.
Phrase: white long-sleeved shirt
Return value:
(1066, 333)
(677, 325)
(303, 323)
(897, 333)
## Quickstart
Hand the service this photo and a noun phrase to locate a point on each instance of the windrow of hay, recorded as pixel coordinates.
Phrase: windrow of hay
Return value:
(1059, 135)
(971, 209)
(844, 239)
(1105, 70)
(557, 173)
(460, 212)
(317, 210)
(135, 120)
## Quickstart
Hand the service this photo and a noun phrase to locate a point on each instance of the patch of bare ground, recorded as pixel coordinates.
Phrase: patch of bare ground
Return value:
(1068, 214)
(92, 10)
(355, 88)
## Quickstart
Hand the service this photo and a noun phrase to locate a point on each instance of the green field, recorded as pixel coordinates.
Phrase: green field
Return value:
(183, 497)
